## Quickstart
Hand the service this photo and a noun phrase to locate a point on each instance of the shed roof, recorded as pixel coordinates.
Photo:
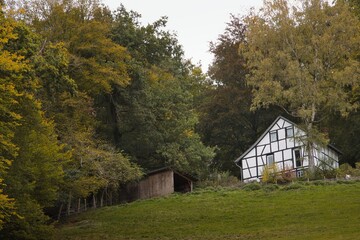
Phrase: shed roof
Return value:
(164, 169)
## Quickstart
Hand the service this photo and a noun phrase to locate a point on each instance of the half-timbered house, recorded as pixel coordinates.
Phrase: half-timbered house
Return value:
(283, 144)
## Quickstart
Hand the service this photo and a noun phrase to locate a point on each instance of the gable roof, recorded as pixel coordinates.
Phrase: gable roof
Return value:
(165, 169)
(335, 149)
(267, 130)
(262, 136)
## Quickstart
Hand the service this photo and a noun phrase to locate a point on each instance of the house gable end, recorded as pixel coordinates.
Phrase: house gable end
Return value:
(282, 144)
(263, 139)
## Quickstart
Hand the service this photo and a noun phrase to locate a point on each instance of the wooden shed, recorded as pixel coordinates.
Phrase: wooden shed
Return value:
(157, 183)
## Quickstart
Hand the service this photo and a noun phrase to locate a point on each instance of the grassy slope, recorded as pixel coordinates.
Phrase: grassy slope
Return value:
(315, 212)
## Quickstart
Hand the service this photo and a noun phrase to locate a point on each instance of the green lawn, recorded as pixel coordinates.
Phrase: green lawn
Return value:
(311, 212)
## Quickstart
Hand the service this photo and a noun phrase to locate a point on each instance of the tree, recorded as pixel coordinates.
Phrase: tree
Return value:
(77, 66)
(302, 59)
(225, 117)
(154, 117)
(35, 173)
(345, 131)
(11, 65)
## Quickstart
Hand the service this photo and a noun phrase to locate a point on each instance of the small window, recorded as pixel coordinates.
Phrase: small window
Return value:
(289, 132)
(300, 173)
(297, 155)
(273, 137)
(270, 159)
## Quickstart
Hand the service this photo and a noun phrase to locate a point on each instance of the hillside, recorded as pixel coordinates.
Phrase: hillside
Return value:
(330, 211)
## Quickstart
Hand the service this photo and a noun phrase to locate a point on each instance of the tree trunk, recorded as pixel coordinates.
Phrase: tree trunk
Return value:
(102, 198)
(310, 153)
(111, 199)
(94, 201)
(60, 210)
(79, 205)
(85, 208)
(69, 204)
(309, 143)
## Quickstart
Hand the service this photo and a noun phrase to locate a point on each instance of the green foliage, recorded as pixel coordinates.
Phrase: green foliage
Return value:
(32, 224)
(149, 44)
(270, 187)
(154, 118)
(344, 132)
(325, 169)
(52, 70)
(35, 174)
(11, 67)
(322, 182)
(7, 208)
(292, 186)
(251, 186)
(76, 82)
(225, 120)
(347, 169)
(346, 182)
(37, 169)
(293, 46)
(219, 179)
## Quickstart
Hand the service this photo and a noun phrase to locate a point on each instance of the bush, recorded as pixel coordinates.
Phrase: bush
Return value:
(270, 187)
(270, 174)
(219, 179)
(322, 183)
(345, 182)
(346, 169)
(292, 186)
(251, 187)
(325, 173)
(287, 175)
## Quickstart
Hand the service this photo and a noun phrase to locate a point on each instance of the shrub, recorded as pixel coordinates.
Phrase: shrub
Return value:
(292, 186)
(270, 173)
(346, 169)
(325, 173)
(345, 182)
(270, 187)
(322, 183)
(287, 175)
(251, 187)
(219, 179)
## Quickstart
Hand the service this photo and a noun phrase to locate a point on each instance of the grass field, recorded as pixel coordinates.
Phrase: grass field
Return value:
(299, 212)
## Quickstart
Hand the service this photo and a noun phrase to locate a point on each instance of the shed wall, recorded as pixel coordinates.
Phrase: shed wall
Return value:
(157, 185)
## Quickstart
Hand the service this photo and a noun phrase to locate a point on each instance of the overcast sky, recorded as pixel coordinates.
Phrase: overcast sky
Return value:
(195, 22)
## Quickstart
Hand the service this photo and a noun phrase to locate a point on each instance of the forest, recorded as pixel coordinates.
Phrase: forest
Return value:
(91, 99)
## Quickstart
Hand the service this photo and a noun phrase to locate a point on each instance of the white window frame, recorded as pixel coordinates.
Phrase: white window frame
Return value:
(300, 156)
(292, 132)
(273, 134)
(267, 159)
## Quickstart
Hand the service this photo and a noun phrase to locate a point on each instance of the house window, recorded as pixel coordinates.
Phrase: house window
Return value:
(300, 173)
(270, 159)
(273, 136)
(297, 156)
(289, 132)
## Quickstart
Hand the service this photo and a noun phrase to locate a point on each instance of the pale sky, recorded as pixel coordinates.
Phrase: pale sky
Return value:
(195, 22)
